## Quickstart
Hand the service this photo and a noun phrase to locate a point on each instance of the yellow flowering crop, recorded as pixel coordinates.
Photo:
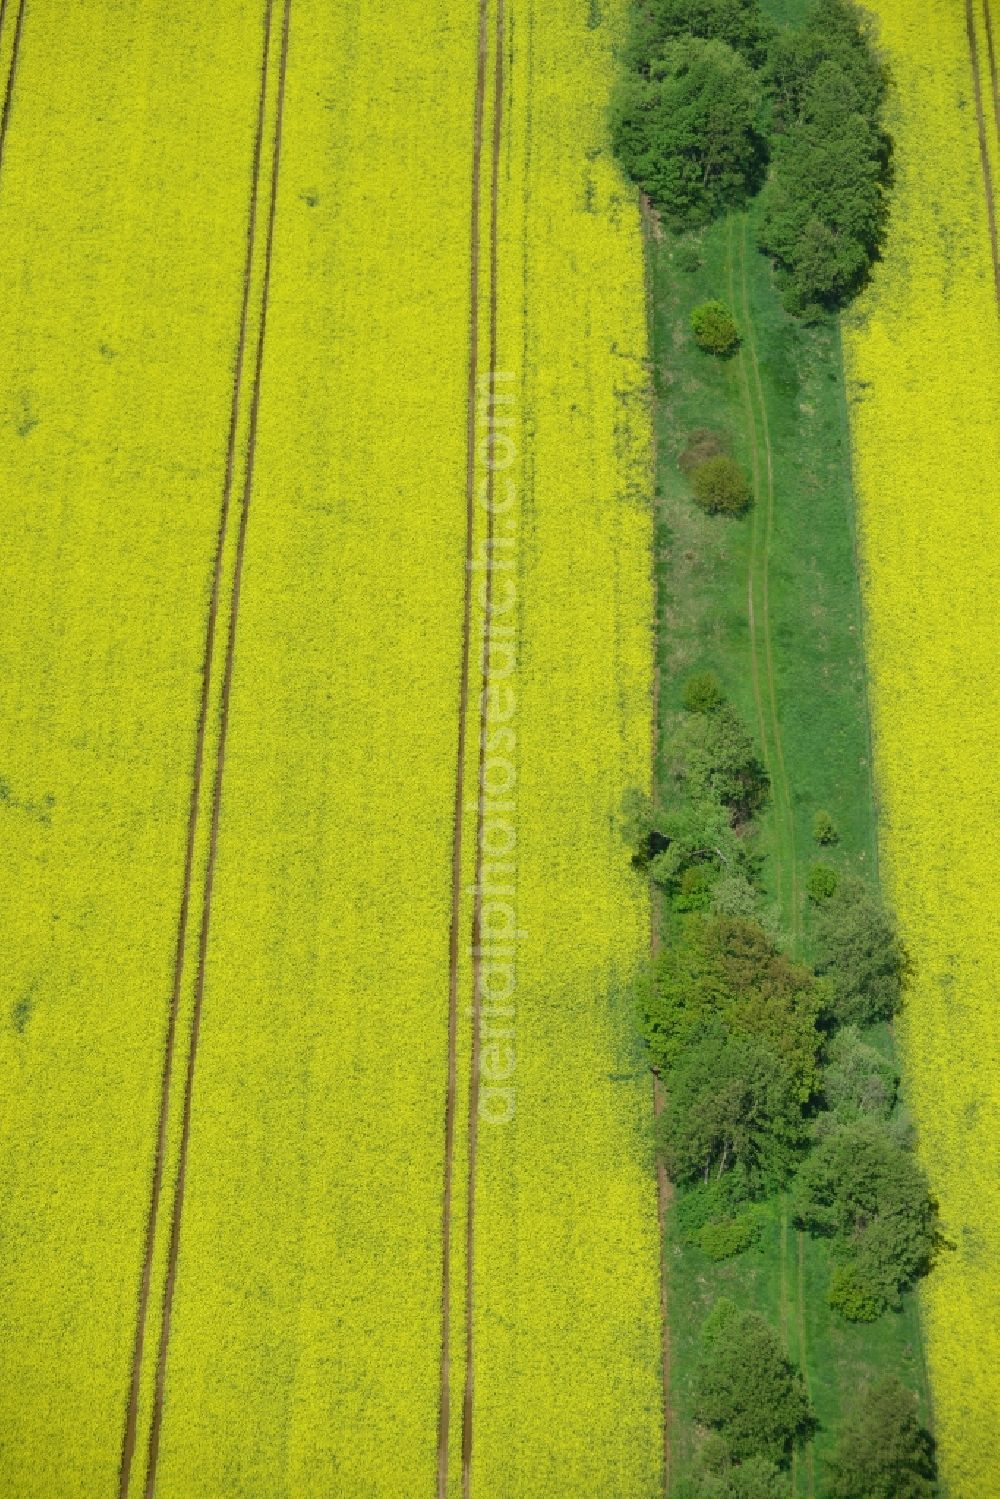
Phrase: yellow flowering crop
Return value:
(122, 223)
(566, 1329)
(305, 1331)
(923, 357)
(305, 1346)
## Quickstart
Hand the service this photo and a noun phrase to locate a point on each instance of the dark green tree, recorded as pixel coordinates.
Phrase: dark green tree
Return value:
(712, 755)
(746, 1388)
(834, 31)
(869, 1196)
(884, 1452)
(715, 330)
(656, 22)
(728, 971)
(859, 954)
(702, 693)
(731, 1106)
(721, 487)
(823, 209)
(687, 133)
(714, 1475)
(858, 1082)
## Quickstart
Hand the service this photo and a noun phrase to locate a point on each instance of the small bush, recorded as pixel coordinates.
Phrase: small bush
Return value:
(852, 1296)
(694, 888)
(824, 829)
(715, 329)
(729, 1236)
(702, 692)
(720, 487)
(708, 1202)
(821, 883)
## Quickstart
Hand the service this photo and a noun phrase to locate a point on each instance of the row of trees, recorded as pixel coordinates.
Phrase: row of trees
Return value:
(772, 1083)
(715, 104)
(754, 1402)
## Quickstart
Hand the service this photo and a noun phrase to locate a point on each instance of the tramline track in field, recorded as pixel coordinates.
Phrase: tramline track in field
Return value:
(451, 1097)
(15, 52)
(984, 154)
(171, 1060)
(468, 1406)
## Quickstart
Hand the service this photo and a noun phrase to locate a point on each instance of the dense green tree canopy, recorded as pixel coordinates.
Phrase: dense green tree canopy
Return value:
(656, 22)
(883, 1452)
(729, 971)
(746, 1388)
(731, 1106)
(858, 1082)
(860, 954)
(687, 132)
(869, 1195)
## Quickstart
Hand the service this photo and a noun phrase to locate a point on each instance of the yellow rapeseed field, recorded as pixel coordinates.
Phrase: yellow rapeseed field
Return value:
(305, 1344)
(305, 1316)
(566, 1328)
(122, 224)
(923, 357)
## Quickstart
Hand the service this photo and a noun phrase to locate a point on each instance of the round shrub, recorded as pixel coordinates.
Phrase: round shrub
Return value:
(702, 692)
(821, 883)
(721, 487)
(728, 1236)
(714, 328)
(824, 829)
(852, 1296)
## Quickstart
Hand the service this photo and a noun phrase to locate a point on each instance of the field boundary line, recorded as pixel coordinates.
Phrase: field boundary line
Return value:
(984, 159)
(664, 1187)
(15, 52)
(468, 1404)
(454, 937)
(208, 660)
(180, 1184)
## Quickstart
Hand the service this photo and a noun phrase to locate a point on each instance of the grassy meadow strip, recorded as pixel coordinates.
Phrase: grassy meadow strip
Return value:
(923, 359)
(122, 212)
(705, 564)
(567, 1389)
(305, 1346)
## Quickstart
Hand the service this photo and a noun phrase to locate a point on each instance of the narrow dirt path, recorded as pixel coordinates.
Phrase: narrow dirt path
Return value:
(984, 158)
(451, 1098)
(468, 1406)
(177, 1212)
(159, 1164)
(765, 570)
(15, 52)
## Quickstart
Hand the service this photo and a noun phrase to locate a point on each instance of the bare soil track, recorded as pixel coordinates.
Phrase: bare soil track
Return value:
(15, 51)
(984, 158)
(128, 1444)
(227, 682)
(451, 1098)
(477, 917)
(170, 1051)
